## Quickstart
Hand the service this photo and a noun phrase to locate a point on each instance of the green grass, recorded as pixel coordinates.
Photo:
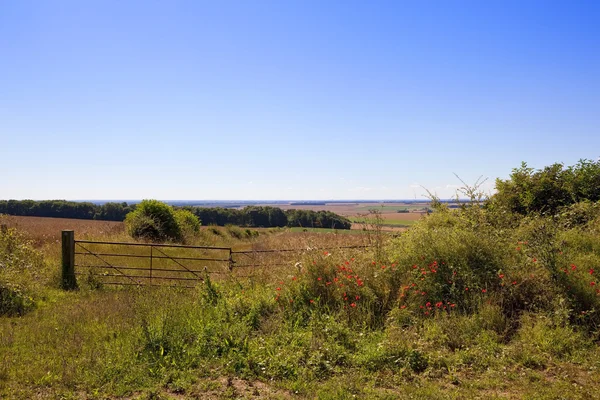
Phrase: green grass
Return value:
(391, 208)
(449, 309)
(386, 222)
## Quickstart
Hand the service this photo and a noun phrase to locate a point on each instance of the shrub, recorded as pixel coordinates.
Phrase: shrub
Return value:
(447, 262)
(155, 221)
(22, 272)
(188, 222)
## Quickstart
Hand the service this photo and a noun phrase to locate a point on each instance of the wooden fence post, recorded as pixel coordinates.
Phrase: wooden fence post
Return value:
(69, 282)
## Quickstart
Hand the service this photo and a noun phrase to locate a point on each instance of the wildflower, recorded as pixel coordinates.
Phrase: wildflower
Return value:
(573, 267)
(373, 263)
(357, 297)
(483, 290)
(278, 288)
(403, 307)
(501, 276)
(518, 248)
(383, 267)
(319, 278)
(591, 271)
(423, 293)
(452, 305)
(312, 301)
(415, 266)
(466, 289)
(439, 304)
(352, 304)
(294, 278)
(428, 304)
(514, 282)
(592, 283)
(426, 312)
(534, 260)
(325, 253)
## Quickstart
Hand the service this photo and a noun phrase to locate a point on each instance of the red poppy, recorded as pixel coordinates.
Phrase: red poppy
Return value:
(353, 305)
(592, 283)
(403, 307)
(591, 271)
(319, 278)
(573, 267)
(312, 301)
(483, 290)
(467, 289)
(501, 276)
(427, 304)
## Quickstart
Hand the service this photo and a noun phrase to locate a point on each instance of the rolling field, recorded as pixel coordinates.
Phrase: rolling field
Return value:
(393, 220)
(395, 320)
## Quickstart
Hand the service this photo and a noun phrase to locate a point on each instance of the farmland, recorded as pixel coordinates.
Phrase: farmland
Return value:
(463, 304)
(395, 216)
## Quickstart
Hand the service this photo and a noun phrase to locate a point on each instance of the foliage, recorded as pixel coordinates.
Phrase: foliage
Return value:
(65, 209)
(188, 223)
(22, 273)
(468, 302)
(548, 190)
(155, 221)
(251, 216)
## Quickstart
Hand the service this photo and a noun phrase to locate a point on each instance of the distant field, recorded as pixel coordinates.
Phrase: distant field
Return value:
(357, 212)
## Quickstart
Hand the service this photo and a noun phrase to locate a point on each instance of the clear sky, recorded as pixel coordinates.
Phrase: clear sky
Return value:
(290, 99)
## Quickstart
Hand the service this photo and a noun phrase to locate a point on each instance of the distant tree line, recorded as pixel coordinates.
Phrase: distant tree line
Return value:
(265, 216)
(251, 216)
(65, 209)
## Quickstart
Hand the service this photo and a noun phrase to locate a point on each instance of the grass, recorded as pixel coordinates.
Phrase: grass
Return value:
(386, 222)
(329, 324)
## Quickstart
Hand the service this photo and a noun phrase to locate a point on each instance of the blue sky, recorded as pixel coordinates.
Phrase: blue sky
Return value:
(290, 99)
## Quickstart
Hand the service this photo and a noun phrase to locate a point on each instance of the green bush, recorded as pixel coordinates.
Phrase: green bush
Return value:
(156, 221)
(23, 272)
(448, 263)
(188, 222)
